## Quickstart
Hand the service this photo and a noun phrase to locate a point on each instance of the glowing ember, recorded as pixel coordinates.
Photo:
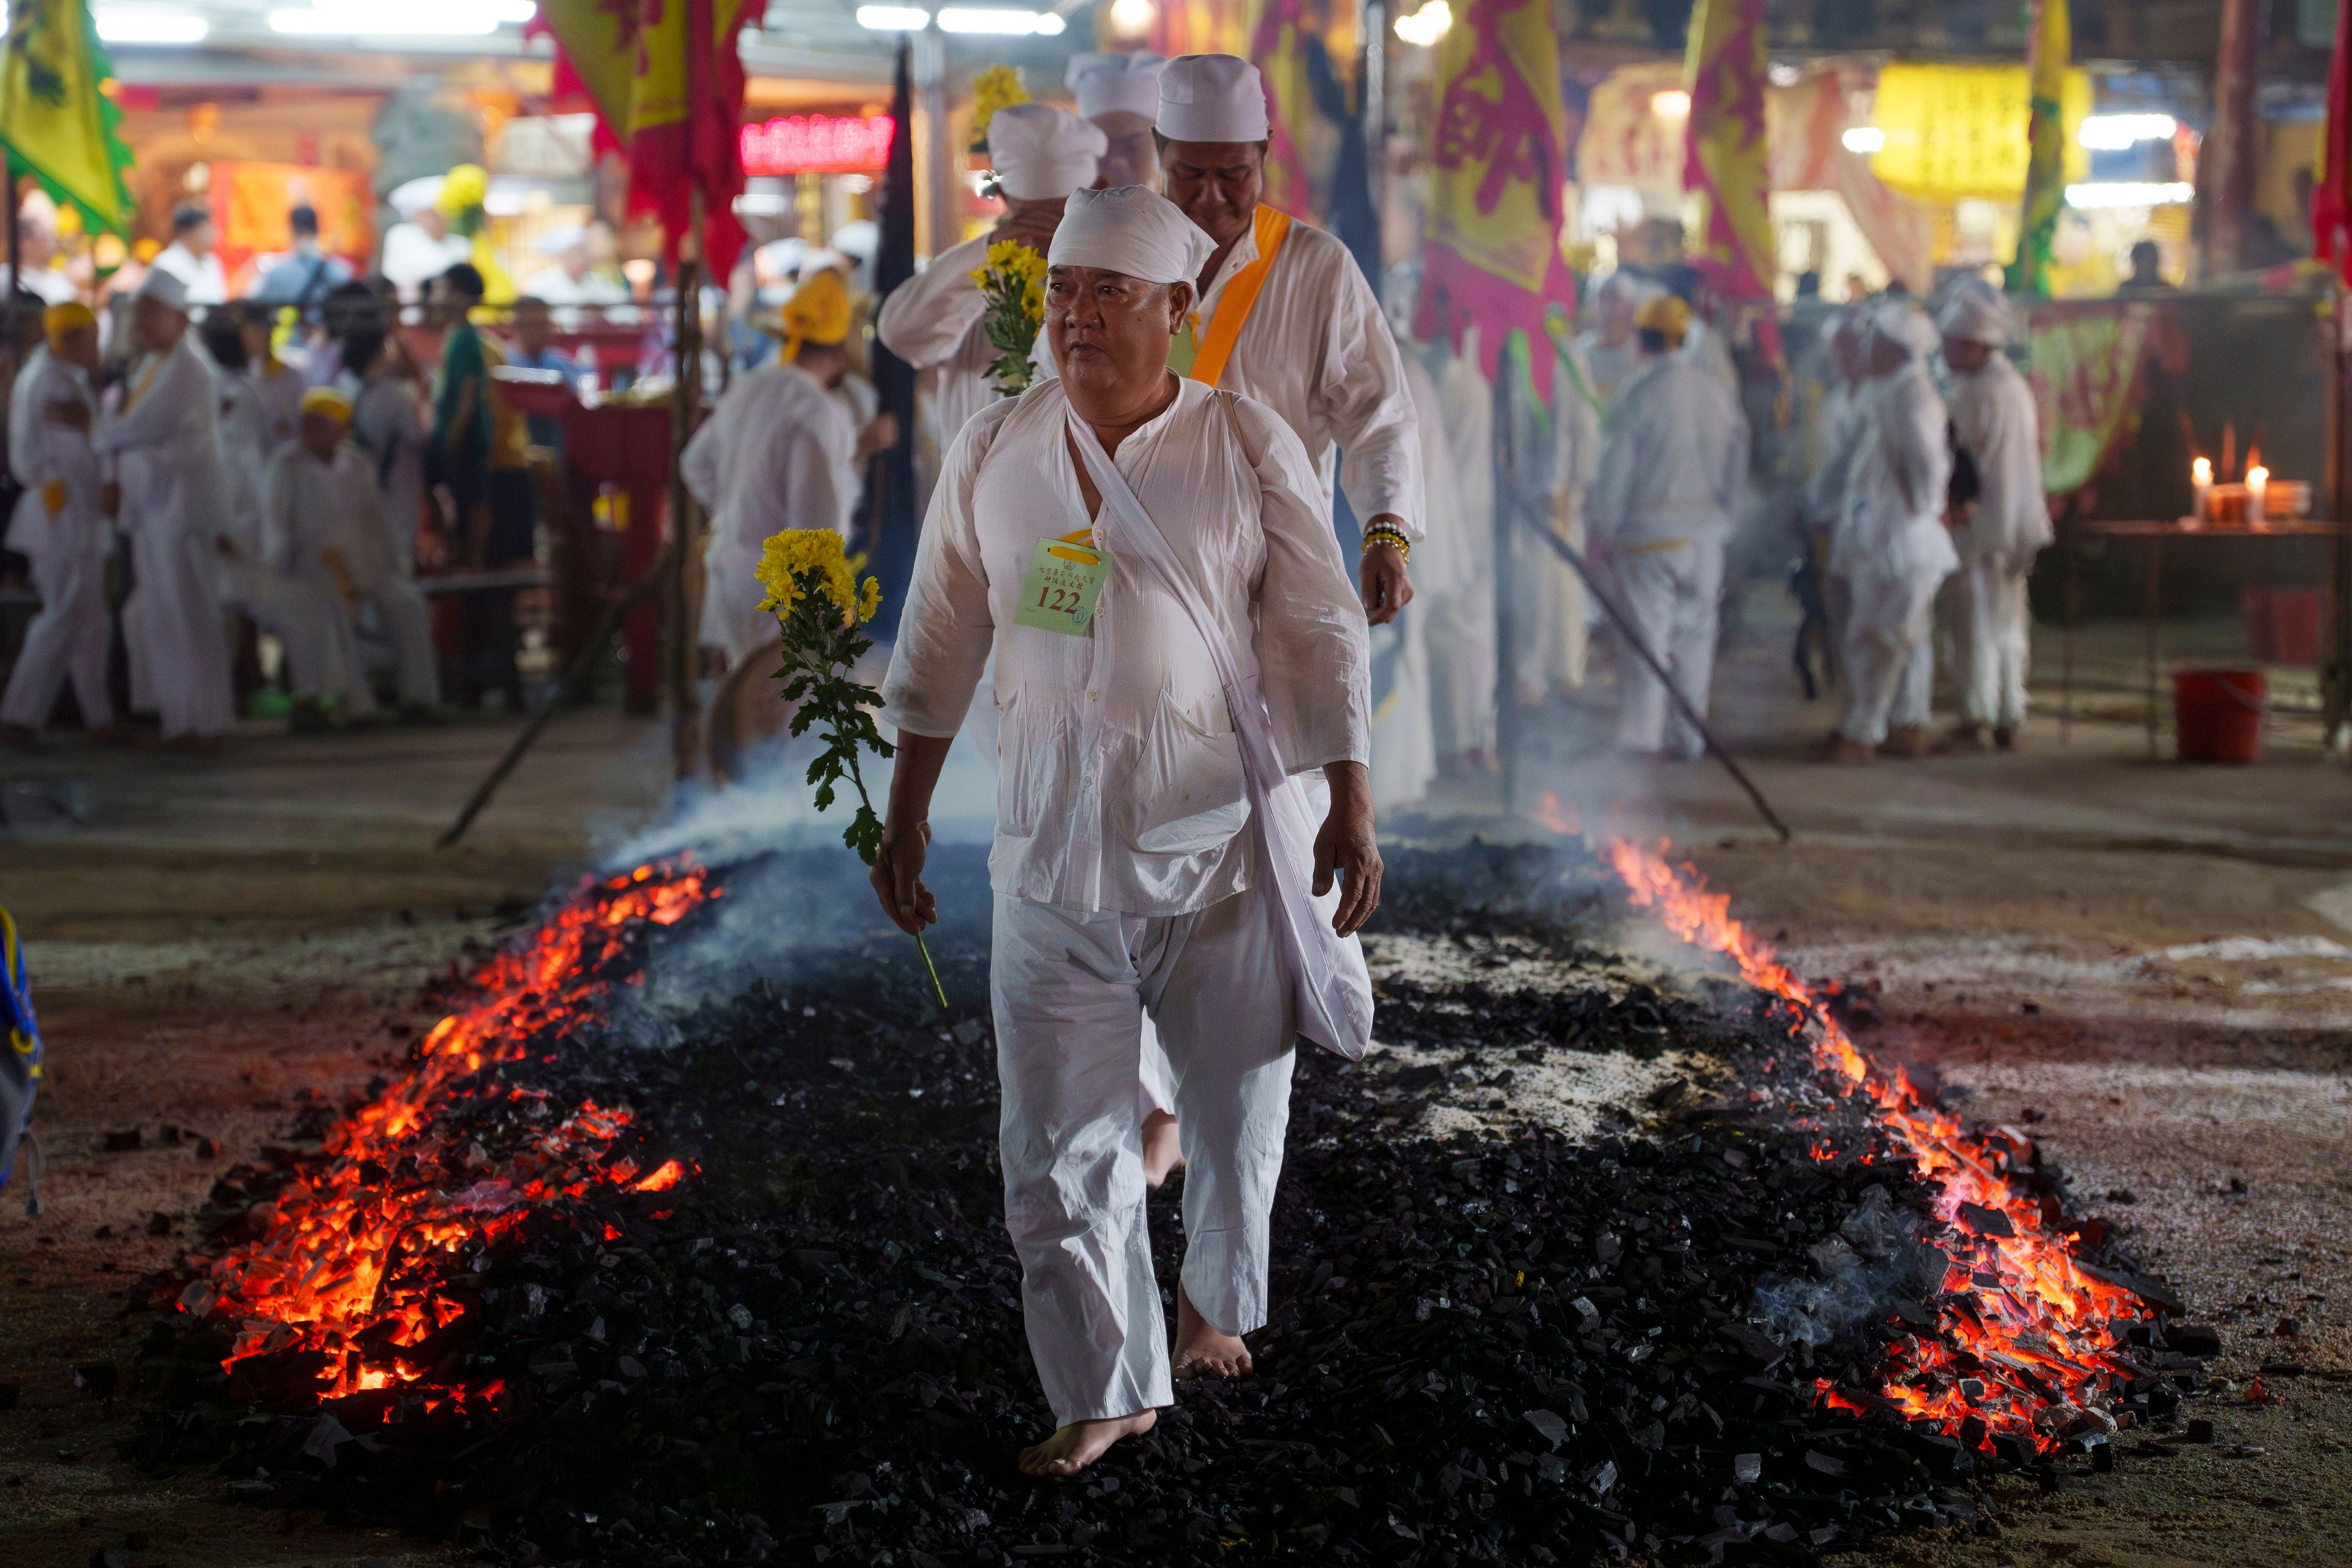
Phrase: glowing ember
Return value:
(2037, 1334)
(356, 1271)
(1551, 815)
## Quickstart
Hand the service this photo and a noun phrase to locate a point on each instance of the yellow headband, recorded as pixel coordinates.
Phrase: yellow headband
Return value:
(817, 313)
(327, 400)
(57, 321)
(1664, 314)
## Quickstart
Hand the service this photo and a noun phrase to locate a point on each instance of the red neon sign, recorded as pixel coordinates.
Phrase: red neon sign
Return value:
(818, 144)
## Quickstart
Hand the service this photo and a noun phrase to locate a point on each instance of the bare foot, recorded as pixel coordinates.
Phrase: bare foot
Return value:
(1967, 738)
(1907, 742)
(1081, 1443)
(1840, 750)
(1201, 1349)
(1162, 1150)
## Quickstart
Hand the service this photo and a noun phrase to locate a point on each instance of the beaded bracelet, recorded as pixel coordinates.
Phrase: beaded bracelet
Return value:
(1387, 533)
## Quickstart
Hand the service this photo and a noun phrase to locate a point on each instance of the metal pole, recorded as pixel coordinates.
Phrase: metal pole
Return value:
(942, 164)
(1375, 99)
(1626, 630)
(685, 398)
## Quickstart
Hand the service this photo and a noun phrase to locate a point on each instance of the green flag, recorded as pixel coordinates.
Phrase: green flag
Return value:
(57, 124)
(2050, 52)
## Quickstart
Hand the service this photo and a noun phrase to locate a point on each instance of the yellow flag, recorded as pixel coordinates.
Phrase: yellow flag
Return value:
(2050, 54)
(56, 120)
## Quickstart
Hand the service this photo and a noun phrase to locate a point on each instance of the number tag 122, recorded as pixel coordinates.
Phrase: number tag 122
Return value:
(1065, 581)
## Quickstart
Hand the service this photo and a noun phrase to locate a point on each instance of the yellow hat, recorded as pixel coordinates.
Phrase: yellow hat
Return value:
(57, 321)
(466, 185)
(818, 312)
(327, 400)
(1664, 314)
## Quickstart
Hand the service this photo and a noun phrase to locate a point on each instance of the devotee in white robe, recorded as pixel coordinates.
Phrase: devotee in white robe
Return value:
(1995, 422)
(162, 445)
(1548, 635)
(1119, 94)
(1893, 552)
(1612, 354)
(420, 246)
(1404, 732)
(932, 320)
(1306, 334)
(1665, 502)
(58, 528)
(1129, 877)
(327, 525)
(778, 452)
(1458, 479)
(191, 257)
(1843, 425)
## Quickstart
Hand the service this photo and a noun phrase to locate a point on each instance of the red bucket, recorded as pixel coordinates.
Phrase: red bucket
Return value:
(2218, 714)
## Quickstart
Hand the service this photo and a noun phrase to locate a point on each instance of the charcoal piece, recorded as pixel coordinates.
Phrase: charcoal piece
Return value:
(2103, 1458)
(96, 1377)
(1983, 1221)
(2200, 1429)
(2202, 1340)
(122, 1142)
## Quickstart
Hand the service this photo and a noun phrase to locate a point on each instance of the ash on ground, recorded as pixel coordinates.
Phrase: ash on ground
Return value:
(1557, 1269)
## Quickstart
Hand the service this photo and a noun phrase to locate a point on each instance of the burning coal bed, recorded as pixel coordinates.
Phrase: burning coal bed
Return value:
(678, 1243)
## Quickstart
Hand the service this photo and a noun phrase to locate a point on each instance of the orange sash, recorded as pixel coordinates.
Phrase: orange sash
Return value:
(1208, 360)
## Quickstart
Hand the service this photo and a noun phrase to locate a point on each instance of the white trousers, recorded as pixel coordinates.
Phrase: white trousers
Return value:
(1890, 655)
(68, 640)
(1070, 992)
(407, 622)
(1673, 598)
(1992, 628)
(1547, 599)
(308, 621)
(173, 629)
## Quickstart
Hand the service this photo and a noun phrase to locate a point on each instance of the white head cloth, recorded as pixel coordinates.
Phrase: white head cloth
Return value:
(1116, 84)
(1977, 315)
(1906, 324)
(1040, 151)
(166, 286)
(1212, 97)
(556, 241)
(1131, 229)
(415, 196)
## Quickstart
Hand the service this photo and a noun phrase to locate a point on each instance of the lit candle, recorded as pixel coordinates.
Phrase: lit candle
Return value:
(2200, 481)
(2258, 481)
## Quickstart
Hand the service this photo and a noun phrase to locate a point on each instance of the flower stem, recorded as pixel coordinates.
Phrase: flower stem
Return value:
(857, 778)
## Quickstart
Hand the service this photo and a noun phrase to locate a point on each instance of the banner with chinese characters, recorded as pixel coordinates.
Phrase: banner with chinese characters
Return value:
(1725, 164)
(2085, 369)
(1958, 133)
(1497, 157)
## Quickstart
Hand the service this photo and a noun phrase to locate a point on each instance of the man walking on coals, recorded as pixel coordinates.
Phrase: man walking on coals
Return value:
(1178, 652)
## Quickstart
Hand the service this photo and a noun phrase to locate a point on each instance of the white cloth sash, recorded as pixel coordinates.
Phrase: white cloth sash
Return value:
(1329, 982)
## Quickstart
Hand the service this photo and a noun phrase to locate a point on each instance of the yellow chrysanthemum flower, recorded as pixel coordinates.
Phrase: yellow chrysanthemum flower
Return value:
(998, 87)
(801, 559)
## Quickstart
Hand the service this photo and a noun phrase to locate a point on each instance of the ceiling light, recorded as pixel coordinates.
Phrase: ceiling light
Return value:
(1426, 26)
(416, 18)
(1133, 18)
(126, 25)
(2119, 132)
(2130, 194)
(1672, 104)
(991, 19)
(1864, 139)
(893, 18)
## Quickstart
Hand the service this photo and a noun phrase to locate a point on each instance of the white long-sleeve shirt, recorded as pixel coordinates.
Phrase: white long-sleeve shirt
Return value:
(778, 452)
(1316, 350)
(1894, 530)
(314, 506)
(1120, 783)
(43, 452)
(1992, 413)
(932, 320)
(207, 281)
(1673, 458)
(165, 446)
(1845, 423)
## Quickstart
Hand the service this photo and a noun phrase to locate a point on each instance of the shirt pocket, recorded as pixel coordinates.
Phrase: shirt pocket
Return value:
(1030, 738)
(1188, 794)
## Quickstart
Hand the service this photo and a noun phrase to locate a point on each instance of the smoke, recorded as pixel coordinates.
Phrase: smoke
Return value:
(1877, 1255)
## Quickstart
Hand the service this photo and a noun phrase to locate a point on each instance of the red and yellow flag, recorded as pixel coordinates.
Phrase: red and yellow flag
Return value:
(668, 88)
(2331, 190)
(1727, 157)
(1497, 155)
(1278, 34)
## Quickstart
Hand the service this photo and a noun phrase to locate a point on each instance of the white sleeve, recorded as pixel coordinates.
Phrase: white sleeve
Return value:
(699, 464)
(945, 631)
(1364, 401)
(161, 412)
(1314, 652)
(925, 318)
(279, 536)
(1610, 500)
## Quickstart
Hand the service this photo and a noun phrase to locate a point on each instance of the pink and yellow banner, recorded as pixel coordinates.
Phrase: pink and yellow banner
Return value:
(1727, 157)
(1498, 156)
(1279, 32)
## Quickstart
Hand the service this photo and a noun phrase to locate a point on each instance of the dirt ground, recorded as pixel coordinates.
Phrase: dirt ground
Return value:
(2148, 967)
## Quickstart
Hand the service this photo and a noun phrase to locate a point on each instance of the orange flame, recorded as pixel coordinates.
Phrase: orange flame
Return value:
(358, 1254)
(666, 1175)
(2041, 1334)
(1550, 814)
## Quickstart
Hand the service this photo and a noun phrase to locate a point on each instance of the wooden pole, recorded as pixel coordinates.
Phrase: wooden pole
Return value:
(684, 647)
(2225, 171)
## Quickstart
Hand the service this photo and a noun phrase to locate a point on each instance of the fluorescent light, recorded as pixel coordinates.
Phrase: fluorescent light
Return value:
(1426, 26)
(1864, 139)
(126, 25)
(414, 18)
(2129, 193)
(994, 19)
(2118, 132)
(893, 18)
(1672, 104)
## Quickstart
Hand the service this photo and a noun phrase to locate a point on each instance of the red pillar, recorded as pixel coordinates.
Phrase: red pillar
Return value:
(2225, 169)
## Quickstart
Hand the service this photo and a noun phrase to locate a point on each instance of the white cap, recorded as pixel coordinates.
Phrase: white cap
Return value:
(162, 283)
(556, 241)
(1975, 314)
(1131, 229)
(858, 238)
(1040, 151)
(1905, 324)
(414, 196)
(1116, 84)
(1212, 97)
